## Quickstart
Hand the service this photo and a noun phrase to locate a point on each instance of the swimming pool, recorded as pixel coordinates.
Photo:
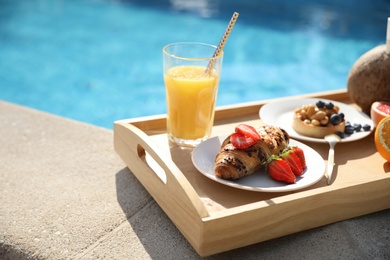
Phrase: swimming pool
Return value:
(98, 60)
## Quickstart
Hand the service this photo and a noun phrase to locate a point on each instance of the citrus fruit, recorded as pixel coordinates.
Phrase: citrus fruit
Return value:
(382, 138)
(379, 110)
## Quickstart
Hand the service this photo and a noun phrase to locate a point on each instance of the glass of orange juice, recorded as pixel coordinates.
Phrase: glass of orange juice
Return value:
(191, 76)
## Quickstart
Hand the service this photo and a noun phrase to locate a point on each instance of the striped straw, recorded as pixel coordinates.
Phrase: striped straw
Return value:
(223, 41)
(388, 36)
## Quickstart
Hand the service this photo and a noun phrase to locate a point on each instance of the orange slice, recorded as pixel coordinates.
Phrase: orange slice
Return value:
(382, 138)
(379, 110)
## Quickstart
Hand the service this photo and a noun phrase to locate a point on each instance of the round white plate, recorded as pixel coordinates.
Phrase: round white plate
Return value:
(281, 113)
(203, 157)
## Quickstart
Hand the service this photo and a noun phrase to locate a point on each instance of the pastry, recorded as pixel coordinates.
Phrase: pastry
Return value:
(234, 163)
(318, 120)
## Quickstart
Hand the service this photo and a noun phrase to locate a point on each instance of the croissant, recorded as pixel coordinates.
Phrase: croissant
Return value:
(232, 163)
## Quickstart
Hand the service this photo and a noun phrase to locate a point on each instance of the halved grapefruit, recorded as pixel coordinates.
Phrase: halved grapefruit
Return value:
(379, 110)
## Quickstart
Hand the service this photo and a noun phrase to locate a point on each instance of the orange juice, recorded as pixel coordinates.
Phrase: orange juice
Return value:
(191, 97)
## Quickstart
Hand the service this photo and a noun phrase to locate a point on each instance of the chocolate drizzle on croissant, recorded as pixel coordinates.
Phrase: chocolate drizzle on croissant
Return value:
(233, 163)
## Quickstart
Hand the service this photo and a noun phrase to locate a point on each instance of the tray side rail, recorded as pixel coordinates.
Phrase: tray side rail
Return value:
(230, 113)
(265, 220)
(172, 191)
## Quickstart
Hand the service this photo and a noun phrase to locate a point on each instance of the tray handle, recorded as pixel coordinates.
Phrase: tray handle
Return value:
(158, 173)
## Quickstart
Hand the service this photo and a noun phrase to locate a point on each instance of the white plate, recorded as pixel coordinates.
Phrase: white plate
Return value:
(203, 157)
(281, 113)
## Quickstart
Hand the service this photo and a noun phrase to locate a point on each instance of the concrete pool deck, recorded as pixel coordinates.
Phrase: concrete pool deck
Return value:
(66, 194)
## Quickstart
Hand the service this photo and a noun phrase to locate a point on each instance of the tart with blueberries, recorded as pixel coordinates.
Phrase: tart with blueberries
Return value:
(318, 120)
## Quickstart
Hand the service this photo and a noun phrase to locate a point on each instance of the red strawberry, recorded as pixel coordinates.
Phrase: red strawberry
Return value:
(240, 141)
(301, 155)
(279, 170)
(248, 131)
(294, 162)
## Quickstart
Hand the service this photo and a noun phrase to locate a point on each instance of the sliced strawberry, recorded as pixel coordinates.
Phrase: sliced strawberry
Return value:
(240, 141)
(293, 160)
(301, 155)
(248, 131)
(279, 170)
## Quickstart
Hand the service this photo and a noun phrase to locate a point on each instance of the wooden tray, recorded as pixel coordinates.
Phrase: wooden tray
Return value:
(216, 218)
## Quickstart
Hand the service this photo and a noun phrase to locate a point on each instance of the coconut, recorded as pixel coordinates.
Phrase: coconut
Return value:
(369, 78)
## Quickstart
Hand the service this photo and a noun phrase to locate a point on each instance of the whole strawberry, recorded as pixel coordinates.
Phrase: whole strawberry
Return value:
(279, 170)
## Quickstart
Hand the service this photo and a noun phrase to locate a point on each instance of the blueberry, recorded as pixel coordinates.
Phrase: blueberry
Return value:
(320, 104)
(335, 119)
(329, 105)
(347, 123)
(341, 134)
(357, 127)
(342, 116)
(366, 127)
(349, 129)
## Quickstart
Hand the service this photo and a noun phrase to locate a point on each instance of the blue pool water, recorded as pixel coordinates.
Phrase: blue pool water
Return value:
(99, 60)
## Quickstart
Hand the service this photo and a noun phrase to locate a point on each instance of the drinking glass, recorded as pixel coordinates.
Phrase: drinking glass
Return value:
(191, 77)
